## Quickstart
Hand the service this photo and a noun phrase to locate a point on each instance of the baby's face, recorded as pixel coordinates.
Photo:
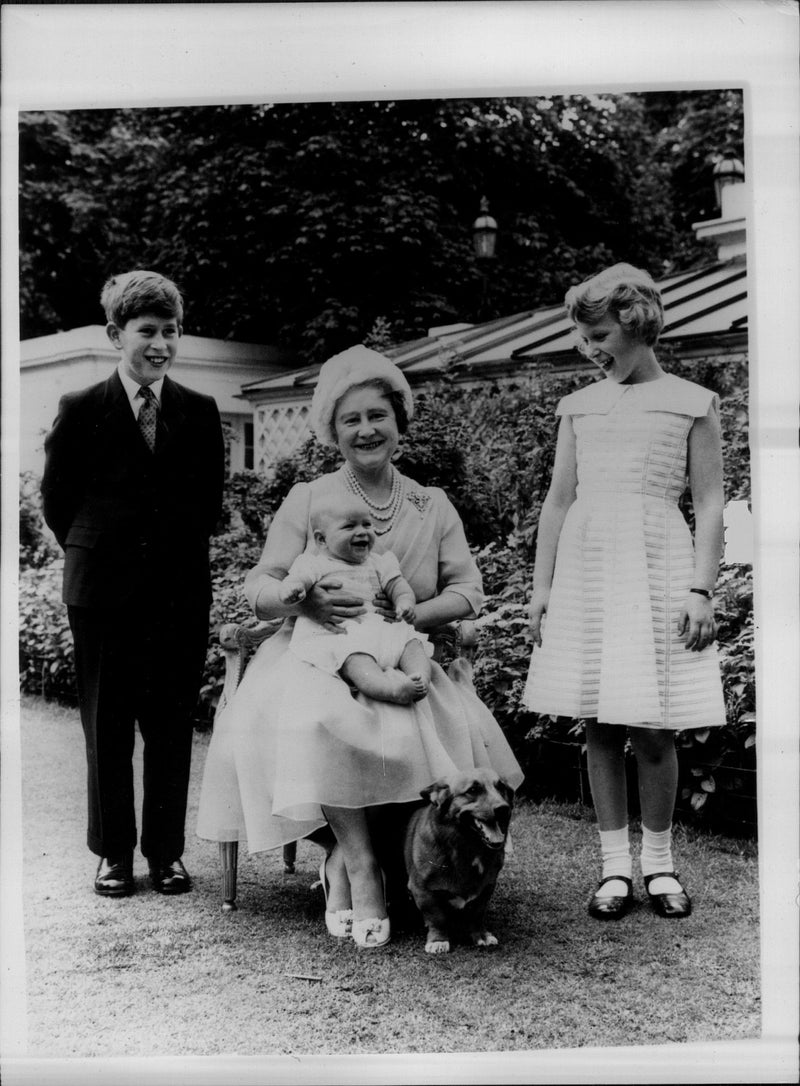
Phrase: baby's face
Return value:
(350, 536)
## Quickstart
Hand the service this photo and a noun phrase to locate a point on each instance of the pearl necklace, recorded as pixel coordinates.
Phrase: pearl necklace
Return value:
(386, 512)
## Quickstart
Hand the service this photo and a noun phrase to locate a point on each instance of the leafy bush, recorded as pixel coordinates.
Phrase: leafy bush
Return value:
(46, 662)
(46, 658)
(705, 751)
(36, 544)
(491, 448)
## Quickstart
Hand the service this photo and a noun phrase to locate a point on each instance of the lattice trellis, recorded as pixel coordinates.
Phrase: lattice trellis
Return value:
(279, 429)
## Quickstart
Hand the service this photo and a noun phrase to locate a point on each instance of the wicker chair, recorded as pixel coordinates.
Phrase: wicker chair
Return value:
(238, 642)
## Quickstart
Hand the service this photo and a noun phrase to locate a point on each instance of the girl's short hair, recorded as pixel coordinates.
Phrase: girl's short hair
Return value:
(629, 294)
(135, 293)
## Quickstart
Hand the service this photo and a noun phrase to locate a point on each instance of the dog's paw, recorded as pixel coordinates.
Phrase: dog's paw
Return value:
(484, 938)
(437, 946)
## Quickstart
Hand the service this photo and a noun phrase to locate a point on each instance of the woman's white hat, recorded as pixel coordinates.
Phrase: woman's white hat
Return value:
(344, 371)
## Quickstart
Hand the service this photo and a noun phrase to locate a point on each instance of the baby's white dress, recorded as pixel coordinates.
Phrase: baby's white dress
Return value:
(369, 634)
(624, 565)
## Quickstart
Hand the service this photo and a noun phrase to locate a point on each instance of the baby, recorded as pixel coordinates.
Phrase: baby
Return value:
(388, 661)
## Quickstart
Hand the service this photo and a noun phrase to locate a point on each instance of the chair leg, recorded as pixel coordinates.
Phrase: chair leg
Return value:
(229, 858)
(289, 855)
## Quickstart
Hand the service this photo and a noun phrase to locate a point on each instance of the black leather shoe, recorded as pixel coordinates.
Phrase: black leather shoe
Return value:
(169, 877)
(611, 908)
(114, 876)
(670, 906)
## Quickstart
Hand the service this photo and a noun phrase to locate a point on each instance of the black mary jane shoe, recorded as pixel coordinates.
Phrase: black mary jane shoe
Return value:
(169, 877)
(611, 908)
(670, 906)
(114, 876)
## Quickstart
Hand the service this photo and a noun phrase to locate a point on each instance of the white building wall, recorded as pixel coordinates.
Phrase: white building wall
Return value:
(40, 391)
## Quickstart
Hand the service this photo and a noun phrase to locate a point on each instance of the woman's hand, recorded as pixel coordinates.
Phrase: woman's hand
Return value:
(696, 624)
(537, 609)
(384, 606)
(325, 604)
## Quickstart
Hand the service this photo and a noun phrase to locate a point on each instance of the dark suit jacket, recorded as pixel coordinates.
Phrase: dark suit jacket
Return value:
(134, 522)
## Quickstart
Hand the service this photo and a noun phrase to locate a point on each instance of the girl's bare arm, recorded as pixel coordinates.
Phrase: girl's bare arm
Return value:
(705, 478)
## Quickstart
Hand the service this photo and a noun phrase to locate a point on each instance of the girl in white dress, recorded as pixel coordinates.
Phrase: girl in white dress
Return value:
(627, 643)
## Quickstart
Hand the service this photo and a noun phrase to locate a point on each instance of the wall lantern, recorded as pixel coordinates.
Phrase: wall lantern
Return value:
(484, 232)
(728, 171)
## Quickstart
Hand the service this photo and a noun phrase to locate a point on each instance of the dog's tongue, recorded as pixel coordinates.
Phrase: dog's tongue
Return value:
(493, 835)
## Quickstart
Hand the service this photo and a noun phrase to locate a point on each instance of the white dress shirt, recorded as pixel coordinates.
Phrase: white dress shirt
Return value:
(132, 388)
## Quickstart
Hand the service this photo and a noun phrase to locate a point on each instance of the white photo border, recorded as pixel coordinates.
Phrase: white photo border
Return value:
(92, 55)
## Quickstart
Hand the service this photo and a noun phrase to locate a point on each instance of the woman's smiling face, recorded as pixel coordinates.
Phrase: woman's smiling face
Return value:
(366, 428)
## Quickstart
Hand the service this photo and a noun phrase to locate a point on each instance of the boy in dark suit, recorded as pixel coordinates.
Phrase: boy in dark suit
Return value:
(132, 489)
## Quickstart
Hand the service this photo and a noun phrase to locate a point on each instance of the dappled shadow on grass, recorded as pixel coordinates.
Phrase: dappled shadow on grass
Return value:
(150, 975)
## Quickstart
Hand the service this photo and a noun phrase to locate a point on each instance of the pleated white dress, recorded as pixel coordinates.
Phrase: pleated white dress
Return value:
(625, 562)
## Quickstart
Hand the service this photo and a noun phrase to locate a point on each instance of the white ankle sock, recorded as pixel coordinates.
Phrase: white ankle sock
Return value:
(657, 856)
(616, 853)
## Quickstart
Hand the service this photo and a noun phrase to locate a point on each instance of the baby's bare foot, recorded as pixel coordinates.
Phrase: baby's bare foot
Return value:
(399, 688)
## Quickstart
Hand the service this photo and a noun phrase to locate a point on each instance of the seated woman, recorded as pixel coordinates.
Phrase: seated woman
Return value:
(294, 750)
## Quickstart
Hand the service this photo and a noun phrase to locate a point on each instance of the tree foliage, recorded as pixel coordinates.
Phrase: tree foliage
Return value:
(692, 131)
(310, 225)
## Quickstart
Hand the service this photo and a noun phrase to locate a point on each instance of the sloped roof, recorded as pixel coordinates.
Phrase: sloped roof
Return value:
(706, 301)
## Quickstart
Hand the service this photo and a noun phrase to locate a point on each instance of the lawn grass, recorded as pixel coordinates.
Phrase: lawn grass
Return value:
(156, 976)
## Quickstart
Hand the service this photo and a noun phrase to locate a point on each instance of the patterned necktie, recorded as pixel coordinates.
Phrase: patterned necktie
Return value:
(148, 414)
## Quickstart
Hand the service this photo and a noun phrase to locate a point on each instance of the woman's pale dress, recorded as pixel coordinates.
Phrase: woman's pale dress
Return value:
(611, 649)
(294, 738)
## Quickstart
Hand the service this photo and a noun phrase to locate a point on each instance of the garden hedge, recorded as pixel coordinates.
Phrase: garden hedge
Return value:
(491, 448)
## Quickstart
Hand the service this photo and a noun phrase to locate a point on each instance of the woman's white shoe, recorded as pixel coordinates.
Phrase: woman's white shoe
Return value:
(372, 933)
(339, 922)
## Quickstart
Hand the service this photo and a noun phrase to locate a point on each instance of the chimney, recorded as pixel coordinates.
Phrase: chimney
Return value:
(729, 230)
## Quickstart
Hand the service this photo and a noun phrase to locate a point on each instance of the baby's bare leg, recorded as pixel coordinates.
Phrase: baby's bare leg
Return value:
(366, 675)
(415, 664)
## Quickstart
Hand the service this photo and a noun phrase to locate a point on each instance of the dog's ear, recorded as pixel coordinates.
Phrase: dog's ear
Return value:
(437, 793)
(506, 791)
